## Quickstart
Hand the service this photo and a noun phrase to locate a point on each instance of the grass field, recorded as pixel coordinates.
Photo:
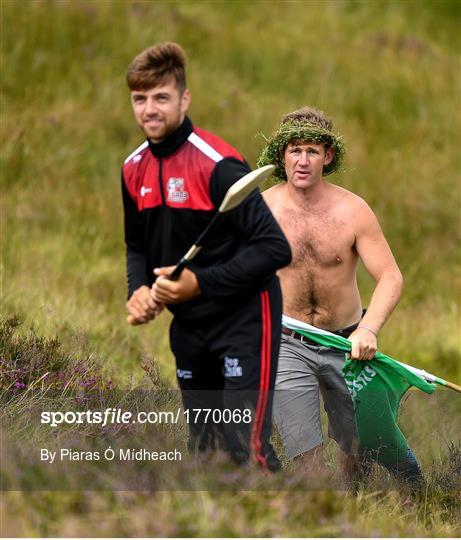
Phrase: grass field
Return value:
(389, 74)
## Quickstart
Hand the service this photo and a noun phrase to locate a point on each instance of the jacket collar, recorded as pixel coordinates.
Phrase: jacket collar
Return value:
(174, 141)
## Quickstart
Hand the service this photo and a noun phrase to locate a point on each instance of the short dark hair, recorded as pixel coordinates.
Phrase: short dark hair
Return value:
(157, 64)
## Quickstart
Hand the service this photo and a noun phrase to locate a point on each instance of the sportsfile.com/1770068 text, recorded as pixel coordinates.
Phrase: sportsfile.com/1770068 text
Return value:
(118, 416)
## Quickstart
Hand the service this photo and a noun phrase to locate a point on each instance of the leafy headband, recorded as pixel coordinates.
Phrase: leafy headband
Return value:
(302, 131)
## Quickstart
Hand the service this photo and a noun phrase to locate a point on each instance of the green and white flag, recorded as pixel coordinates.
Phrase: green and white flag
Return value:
(376, 388)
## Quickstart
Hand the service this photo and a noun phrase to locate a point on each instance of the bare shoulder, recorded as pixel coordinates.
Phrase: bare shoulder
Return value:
(355, 211)
(351, 204)
(274, 194)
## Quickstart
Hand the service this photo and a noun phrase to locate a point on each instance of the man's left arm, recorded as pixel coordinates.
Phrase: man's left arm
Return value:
(266, 248)
(378, 260)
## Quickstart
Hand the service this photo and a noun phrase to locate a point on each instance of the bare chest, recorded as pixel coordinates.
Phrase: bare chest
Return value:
(320, 240)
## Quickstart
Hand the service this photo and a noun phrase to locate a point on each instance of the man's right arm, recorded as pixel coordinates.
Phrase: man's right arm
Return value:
(140, 304)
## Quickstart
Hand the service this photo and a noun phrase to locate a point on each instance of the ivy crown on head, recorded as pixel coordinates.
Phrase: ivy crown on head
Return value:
(289, 131)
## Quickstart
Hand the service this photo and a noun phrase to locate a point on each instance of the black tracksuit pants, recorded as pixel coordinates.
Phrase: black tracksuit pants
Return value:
(229, 365)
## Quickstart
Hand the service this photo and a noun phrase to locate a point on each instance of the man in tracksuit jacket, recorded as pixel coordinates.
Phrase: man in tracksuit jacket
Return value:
(227, 305)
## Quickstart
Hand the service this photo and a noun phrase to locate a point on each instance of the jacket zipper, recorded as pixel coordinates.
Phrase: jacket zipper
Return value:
(160, 180)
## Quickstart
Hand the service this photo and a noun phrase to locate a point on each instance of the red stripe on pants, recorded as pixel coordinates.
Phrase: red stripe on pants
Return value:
(264, 380)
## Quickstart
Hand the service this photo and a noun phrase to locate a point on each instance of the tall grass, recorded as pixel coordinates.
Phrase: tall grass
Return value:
(59, 381)
(387, 71)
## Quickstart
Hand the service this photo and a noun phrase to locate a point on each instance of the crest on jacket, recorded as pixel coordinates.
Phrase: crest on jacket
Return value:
(176, 192)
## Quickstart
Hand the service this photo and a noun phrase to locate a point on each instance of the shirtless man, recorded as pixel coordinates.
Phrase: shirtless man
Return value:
(329, 230)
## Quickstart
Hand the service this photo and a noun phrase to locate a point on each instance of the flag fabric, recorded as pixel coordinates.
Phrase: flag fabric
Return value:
(376, 387)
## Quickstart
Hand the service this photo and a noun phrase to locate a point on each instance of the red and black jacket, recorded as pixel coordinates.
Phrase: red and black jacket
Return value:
(171, 190)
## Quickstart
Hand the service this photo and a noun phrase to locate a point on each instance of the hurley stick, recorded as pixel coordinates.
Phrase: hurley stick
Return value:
(236, 194)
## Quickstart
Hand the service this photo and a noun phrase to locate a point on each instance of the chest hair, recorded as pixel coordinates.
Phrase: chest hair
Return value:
(317, 239)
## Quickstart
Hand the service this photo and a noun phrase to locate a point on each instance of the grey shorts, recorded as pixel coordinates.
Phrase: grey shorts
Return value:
(304, 370)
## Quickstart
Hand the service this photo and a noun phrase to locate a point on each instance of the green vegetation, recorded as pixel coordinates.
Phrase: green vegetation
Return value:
(388, 72)
(289, 131)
